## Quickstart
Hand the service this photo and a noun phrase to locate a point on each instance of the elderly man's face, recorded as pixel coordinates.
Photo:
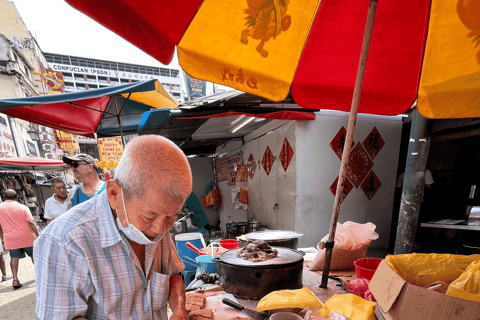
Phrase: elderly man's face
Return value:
(60, 190)
(154, 214)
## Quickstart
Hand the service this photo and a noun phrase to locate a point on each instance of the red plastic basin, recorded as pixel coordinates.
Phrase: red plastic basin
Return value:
(365, 268)
(229, 244)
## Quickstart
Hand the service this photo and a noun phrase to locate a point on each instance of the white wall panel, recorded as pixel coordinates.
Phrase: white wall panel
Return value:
(318, 167)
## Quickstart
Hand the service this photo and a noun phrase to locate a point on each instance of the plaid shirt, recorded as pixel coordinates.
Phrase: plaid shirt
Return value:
(86, 267)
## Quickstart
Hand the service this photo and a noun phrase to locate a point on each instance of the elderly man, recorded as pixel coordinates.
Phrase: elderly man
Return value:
(18, 230)
(56, 204)
(85, 170)
(111, 257)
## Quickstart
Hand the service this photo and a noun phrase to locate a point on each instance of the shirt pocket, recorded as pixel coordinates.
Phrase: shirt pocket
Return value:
(159, 286)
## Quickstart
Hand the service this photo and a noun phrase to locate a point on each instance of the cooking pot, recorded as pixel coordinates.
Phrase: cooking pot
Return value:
(179, 227)
(275, 238)
(254, 280)
(255, 224)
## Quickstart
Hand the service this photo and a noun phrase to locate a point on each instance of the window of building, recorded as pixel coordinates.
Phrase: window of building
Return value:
(75, 62)
(121, 67)
(156, 72)
(91, 78)
(82, 63)
(79, 77)
(143, 70)
(176, 94)
(102, 79)
(128, 69)
(123, 81)
(114, 80)
(50, 59)
(175, 74)
(91, 64)
(81, 87)
(69, 86)
(92, 86)
(165, 72)
(67, 76)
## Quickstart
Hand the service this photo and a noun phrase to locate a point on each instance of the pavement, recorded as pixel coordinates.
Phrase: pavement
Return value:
(19, 303)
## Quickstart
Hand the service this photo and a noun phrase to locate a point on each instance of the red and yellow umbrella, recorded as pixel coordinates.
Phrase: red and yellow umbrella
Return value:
(425, 49)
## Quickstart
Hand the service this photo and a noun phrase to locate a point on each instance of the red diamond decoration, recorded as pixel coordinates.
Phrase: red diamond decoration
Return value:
(338, 142)
(370, 185)
(348, 186)
(286, 154)
(373, 143)
(359, 165)
(267, 161)
(251, 166)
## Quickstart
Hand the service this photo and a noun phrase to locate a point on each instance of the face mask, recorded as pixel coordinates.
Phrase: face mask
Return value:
(133, 233)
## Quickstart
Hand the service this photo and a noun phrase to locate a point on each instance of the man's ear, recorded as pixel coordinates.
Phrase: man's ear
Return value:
(114, 193)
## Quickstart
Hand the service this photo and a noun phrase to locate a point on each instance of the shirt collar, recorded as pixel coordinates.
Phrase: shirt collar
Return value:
(109, 233)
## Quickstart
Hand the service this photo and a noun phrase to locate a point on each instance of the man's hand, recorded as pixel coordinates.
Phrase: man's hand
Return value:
(176, 298)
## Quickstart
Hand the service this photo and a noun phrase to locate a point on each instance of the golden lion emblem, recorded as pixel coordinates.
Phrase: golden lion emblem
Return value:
(266, 19)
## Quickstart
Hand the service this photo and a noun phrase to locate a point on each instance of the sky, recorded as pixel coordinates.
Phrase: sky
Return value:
(61, 29)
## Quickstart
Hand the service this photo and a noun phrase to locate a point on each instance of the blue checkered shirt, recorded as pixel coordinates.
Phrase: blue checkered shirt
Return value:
(86, 267)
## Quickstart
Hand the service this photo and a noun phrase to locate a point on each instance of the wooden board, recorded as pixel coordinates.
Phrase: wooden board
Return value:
(220, 310)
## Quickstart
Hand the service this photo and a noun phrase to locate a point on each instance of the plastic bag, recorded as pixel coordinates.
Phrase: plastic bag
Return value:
(353, 236)
(467, 286)
(359, 286)
(424, 269)
(311, 315)
(350, 306)
(351, 242)
(301, 298)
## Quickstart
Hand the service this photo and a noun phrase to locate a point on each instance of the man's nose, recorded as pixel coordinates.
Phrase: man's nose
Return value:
(158, 226)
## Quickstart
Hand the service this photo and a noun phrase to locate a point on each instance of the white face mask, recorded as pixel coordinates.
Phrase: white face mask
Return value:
(133, 233)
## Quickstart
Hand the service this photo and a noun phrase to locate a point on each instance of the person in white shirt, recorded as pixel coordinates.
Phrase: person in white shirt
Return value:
(57, 204)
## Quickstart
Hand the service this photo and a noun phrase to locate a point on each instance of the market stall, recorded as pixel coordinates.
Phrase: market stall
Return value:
(21, 175)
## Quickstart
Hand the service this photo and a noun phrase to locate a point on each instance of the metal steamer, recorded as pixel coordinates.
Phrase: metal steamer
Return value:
(253, 280)
(275, 238)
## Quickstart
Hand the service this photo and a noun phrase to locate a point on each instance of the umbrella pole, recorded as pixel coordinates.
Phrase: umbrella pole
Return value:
(118, 119)
(349, 140)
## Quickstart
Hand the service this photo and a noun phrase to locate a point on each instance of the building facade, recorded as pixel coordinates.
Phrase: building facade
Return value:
(21, 65)
(80, 74)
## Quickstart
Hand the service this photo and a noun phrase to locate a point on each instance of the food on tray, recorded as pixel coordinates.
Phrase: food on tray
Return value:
(256, 251)
(203, 314)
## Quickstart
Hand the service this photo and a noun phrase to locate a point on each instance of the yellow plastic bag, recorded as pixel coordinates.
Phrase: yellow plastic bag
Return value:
(425, 269)
(301, 298)
(350, 306)
(467, 286)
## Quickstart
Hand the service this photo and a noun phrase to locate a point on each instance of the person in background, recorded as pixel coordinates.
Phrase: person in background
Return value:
(199, 218)
(85, 170)
(111, 257)
(56, 204)
(18, 229)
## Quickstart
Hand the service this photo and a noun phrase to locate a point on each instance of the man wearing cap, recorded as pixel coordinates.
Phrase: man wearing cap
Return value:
(85, 170)
(111, 257)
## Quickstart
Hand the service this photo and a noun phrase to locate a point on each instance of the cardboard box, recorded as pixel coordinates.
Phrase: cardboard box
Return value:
(399, 300)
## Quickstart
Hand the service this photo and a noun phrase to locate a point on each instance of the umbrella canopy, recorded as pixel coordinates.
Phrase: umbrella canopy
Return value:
(267, 47)
(106, 111)
(29, 163)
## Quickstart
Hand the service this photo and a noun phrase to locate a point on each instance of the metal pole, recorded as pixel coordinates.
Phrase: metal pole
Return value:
(367, 36)
(413, 183)
(118, 119)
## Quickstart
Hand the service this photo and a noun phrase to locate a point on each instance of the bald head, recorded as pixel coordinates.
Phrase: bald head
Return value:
(10, 194)
(156, 163)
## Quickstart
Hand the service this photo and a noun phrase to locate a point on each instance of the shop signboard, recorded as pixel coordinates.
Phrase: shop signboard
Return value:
(232, 163)
(111, 149)
(195, 88)
(222, 169)
(31, 148)
(67, 142)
